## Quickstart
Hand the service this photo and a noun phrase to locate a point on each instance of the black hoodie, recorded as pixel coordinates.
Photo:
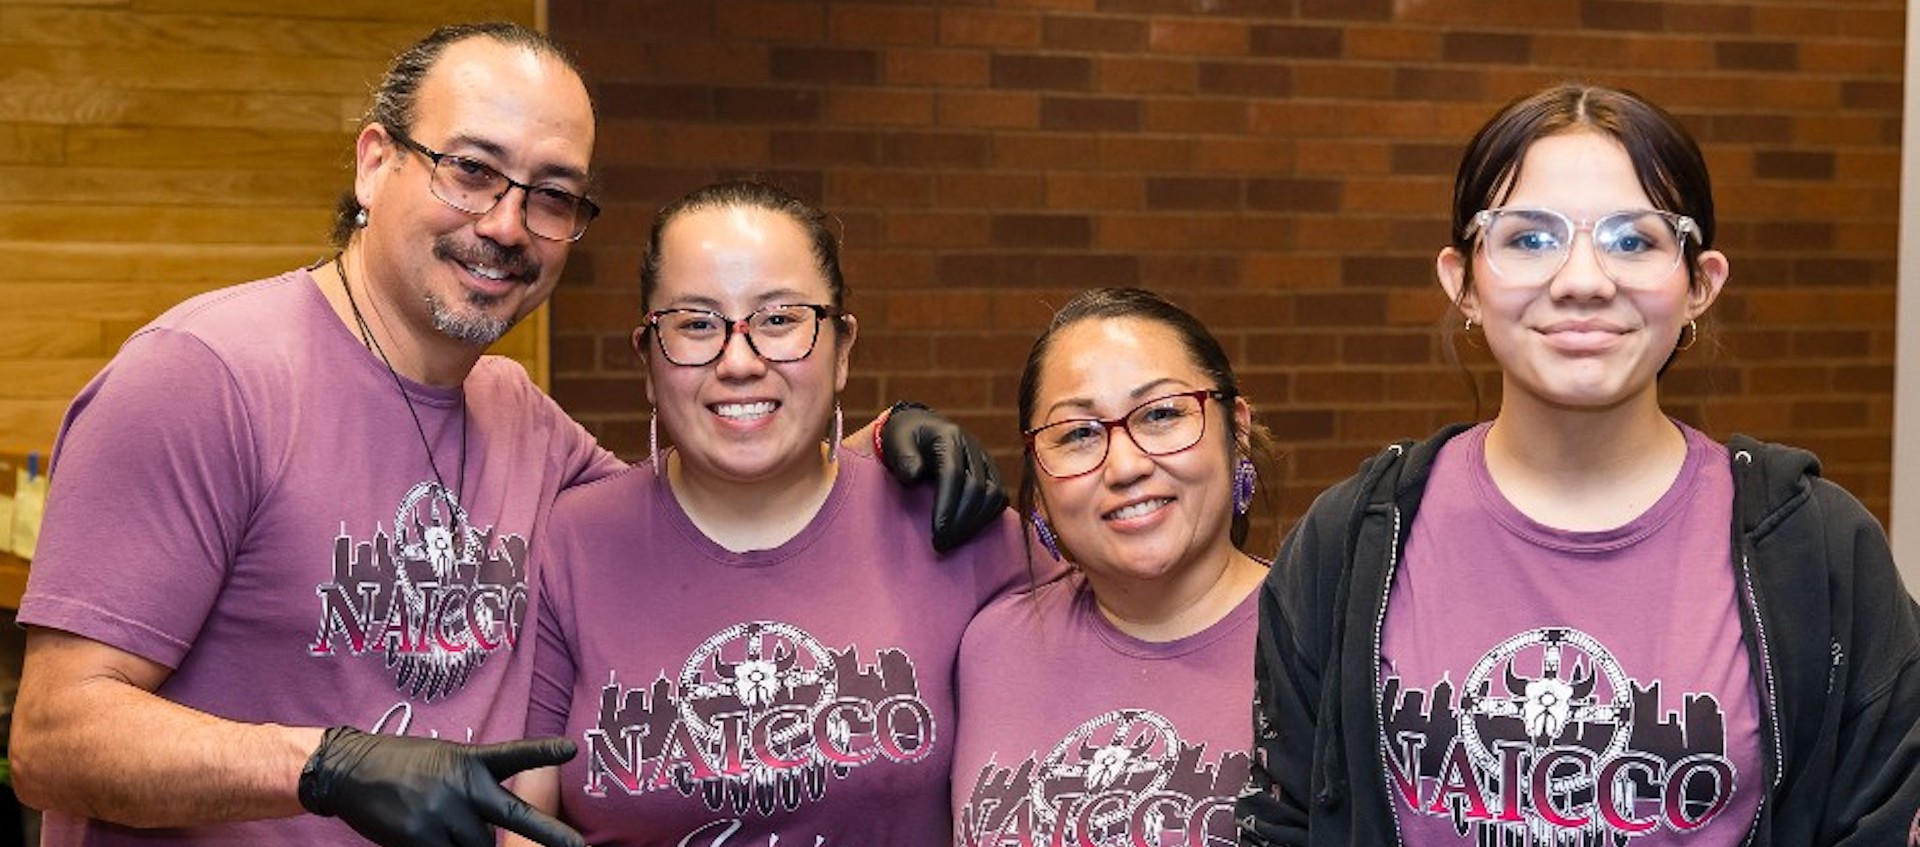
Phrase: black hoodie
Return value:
(1833, 637)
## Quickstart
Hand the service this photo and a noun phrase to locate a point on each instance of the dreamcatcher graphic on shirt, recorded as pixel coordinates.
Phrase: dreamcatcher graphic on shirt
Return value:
(743, 675)
(1565, 688)
(435, 549)
(1130, 750)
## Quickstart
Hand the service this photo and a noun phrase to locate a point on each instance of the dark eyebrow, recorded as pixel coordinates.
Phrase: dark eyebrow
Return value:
(781, 297)
(1153, 387)
(499, 153)
(777, 297)
(698, 304)
(1141, 392)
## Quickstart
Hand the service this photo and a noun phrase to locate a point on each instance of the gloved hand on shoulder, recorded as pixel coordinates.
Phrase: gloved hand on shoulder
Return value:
(917, 444)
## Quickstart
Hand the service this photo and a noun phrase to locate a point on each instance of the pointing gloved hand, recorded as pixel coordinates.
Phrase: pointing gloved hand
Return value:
(917, 444)
(401, 791)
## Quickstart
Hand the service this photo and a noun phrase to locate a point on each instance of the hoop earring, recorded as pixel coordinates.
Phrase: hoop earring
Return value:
(1045, 533)
(1690, 335)
(1246, 479)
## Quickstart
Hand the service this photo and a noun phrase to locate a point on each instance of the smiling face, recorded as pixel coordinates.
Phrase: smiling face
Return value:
(1136, 517)
(470, 278)
(1579, 340)
(741, 419)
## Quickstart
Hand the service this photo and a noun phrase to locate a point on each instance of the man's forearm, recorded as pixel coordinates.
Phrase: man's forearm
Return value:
(101, 746)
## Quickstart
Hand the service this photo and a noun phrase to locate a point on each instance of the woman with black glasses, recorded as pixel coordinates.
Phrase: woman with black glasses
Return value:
(1585, 622)
(749, 635)
(1108, 707)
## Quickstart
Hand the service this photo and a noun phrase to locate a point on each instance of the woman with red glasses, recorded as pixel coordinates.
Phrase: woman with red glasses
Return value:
(1108, 707)
(1585, 622)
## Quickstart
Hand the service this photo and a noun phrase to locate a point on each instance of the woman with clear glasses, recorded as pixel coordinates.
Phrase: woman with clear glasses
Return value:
(1584, 622)
(750, 636)
(1109, 707)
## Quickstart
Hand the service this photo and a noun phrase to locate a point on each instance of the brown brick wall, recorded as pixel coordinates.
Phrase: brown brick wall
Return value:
(1281, 167)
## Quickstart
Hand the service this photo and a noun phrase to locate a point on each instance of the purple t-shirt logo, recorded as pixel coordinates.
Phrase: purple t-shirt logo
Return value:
(1549, 732)
(1123, 777)
(760, 715)
(436, 596)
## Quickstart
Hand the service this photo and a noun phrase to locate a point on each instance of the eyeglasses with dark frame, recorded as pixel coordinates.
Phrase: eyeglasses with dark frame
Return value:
(779, 333)
(475, 187)
(1161, 426)
(1529, 246)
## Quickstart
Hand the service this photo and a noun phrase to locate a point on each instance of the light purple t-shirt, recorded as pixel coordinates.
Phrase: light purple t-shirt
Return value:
(242, 496)
(801, 695)
(1581, 686)
(1073, 732)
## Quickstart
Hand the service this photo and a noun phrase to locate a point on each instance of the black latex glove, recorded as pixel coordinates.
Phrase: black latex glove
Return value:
(423, 792)
(917, 444)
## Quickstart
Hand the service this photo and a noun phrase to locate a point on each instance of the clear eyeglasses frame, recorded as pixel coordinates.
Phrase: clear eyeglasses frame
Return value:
(1529, 246)
(1161, 426)
(779, 333)
(475, 187)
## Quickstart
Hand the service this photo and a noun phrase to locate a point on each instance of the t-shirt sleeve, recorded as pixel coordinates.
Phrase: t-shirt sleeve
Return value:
(580, 455)
(583, 457)
(154, 478)
(1005, 562)
(553, 665)
(574, 455)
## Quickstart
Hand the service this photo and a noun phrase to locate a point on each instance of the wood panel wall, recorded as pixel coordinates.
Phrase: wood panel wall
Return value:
(154, 149)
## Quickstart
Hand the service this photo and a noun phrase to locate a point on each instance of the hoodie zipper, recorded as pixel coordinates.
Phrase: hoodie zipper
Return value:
(1373, 672)
(1768, 694)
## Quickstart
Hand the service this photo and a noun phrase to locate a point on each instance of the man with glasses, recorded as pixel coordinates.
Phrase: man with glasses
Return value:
(308, 502)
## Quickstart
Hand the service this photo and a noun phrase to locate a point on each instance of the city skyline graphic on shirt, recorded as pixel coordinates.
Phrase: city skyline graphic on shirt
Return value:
(1549, 741)
(760, 719)
(1121, 778)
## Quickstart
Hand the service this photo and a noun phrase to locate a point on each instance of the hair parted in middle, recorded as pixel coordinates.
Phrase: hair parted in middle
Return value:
(748, 194)
(1671, 168)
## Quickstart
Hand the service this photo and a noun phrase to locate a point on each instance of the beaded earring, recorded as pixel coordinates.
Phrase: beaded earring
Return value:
(653, 438)
(1245, 479)
(1047, 538)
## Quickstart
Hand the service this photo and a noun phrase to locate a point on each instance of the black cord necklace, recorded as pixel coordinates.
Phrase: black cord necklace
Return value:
(366, 337)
